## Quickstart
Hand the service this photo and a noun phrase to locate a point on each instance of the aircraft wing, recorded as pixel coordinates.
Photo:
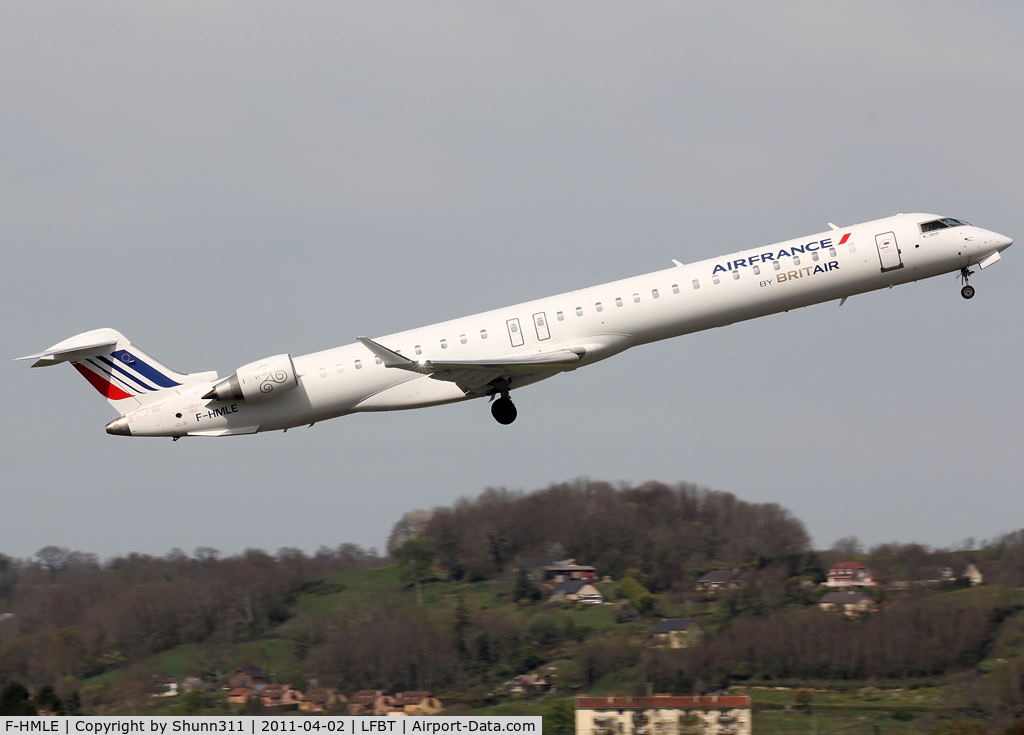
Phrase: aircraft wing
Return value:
(471, 375)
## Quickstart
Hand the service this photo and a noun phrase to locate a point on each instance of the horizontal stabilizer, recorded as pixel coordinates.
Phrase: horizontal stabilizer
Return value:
(57, 354)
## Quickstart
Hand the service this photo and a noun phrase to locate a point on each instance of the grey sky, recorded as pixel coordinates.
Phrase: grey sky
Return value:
(226, 181)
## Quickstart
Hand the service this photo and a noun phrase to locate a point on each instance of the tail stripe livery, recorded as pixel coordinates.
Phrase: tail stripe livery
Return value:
(117, 380)
(106, 388)
(144, 369)
(118, 368)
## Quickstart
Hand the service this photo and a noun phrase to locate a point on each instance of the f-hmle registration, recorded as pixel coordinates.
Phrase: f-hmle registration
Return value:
(495, 352)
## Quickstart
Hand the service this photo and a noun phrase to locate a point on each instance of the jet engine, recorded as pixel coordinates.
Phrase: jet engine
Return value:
(257, 381)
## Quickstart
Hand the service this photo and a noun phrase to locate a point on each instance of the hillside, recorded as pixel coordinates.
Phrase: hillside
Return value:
(461, 611)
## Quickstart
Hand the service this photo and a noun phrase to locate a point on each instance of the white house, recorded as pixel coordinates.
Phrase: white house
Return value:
(664, 714)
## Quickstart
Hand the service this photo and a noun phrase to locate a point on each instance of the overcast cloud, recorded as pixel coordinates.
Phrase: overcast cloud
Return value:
(225, 181)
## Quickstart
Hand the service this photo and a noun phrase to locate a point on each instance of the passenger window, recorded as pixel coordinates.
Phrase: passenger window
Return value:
(636, 298)
(444, 344)
(654, 293)
(715, 280)
(775, 264)
(696, 284)
(853, 248)
(483, 334)
(814, 256)
(359, 364)
(559, 316)
(340, 368)
(618, 301)
(598, 306)
(579, 311)
(735, 275)
(757, 270)
(462, 339)
(831, 252)
(376, 359)
(513, 328)
(418, 350)
(675, 288)
(323, 372)
(796, 260)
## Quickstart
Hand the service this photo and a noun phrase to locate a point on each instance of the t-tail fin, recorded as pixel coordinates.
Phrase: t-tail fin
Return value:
(120, 371)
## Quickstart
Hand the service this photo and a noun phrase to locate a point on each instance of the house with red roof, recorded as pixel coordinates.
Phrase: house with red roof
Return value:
(852, 574)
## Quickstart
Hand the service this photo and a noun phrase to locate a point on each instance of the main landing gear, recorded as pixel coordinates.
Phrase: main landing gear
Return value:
(967, 291)
(503, 410)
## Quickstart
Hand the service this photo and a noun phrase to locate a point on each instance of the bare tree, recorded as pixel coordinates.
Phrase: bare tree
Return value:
(848, 546)
(408, 526)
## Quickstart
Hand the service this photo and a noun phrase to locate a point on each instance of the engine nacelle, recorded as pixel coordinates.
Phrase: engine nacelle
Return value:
(257, 381)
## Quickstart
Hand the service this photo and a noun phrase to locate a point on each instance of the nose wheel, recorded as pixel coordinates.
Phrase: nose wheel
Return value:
(967, 291)
(503, 410)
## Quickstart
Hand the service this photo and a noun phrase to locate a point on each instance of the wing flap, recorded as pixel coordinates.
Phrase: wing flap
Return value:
(471, 374)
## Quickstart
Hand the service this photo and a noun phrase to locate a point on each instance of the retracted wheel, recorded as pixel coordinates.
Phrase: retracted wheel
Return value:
(504, 411)
(967, 292)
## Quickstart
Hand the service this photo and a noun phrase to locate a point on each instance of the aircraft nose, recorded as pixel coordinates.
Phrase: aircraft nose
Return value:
(1002, 241)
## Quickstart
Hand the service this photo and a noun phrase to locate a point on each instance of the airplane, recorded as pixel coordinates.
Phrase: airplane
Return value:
(492, 353)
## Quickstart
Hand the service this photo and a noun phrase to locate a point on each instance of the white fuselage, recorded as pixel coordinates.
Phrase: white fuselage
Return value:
(596, 322)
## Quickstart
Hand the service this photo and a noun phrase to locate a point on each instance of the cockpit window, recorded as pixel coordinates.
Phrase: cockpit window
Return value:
(940, 224)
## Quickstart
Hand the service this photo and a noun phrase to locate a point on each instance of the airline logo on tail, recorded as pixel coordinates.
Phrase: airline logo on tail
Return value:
(122, 375)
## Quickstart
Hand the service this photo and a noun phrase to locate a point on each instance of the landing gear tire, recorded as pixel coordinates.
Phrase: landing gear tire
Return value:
(504, 411)
(967, 292)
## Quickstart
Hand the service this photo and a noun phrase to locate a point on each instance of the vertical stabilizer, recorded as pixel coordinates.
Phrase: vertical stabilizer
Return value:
(120, 371)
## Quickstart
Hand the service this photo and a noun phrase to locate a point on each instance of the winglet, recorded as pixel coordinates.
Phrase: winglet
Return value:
(678, 264)
(832, 226)
(388, 357)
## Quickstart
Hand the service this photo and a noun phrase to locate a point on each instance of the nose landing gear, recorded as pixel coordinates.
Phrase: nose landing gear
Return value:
(503, 410)
(967, 291)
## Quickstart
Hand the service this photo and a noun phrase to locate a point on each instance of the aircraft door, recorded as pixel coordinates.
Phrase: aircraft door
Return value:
(889, 254)
(540, 323)
(514, 332)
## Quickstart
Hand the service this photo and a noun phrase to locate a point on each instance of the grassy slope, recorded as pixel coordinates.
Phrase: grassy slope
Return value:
(841, 713)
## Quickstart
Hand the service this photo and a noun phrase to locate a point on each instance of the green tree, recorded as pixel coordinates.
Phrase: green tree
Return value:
(637, 594)
(46, 699)
(463, 622)
(524, 588)
(74, 703)
(813, 568)
(14, 700)
(193, 701)
(803, 697)
(414, 564)
(560, 718)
